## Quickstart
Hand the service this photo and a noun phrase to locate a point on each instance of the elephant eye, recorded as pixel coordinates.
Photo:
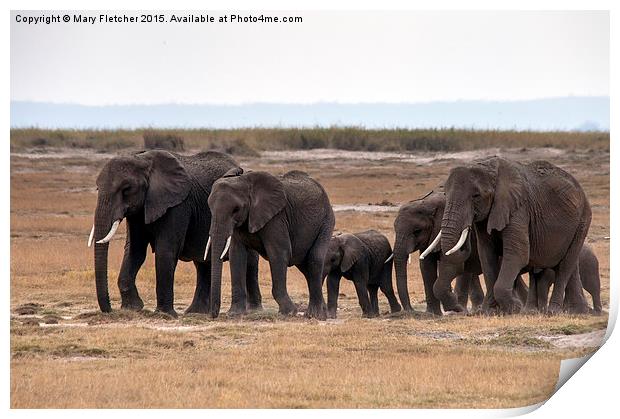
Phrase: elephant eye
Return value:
(417, 231)
(235, 210)
(476, 195)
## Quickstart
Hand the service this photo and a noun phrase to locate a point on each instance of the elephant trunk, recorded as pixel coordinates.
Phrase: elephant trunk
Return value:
(456, 220)
(220, 241)
(103, 224)
(400, 265)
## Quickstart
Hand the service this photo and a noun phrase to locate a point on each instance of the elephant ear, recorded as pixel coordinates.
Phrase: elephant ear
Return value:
(267, 198)
(235, 171)
(352, 251)
(169, 184)
(509, 195)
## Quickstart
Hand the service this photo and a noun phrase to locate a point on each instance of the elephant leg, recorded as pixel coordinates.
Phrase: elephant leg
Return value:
(238, 255)
(201, 302)
(255, 300)
(575, 300)
(504, 286)
(362, 296)
(520, 290)
(463, 284)
(594, 289)
(428, 269)
(278, 268)
(333, 288)
(476, 294)
(133, 258)
(531, 304)
(373, 290)
(565, 271)
(515, 256)
(443, 287)
(165, 265)
(489, 261)
(387, 289)
(544, 280)
(312, 268)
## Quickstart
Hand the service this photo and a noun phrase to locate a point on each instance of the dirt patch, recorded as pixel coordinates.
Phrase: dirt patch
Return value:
(364, 208)
(582, 340)
(420, 158)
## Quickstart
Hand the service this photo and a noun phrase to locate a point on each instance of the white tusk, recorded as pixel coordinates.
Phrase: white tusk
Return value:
(92, 234)
(390, 258)
(459, 243)
(207, 248)
(431, 246)
(225, 248)
(409, 259)
(111, 233)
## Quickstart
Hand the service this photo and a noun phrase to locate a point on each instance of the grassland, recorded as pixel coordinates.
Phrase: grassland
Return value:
(64, 353)
(249, 140)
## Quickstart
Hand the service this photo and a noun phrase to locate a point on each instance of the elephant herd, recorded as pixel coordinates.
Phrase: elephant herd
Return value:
(494, 217)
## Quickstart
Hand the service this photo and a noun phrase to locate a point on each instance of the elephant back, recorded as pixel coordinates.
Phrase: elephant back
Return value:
(208, 166)
(377, 244)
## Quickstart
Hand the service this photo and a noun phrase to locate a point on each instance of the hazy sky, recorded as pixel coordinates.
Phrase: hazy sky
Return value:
(330, 57)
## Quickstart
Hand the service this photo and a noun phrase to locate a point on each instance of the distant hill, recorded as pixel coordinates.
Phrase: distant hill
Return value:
(569, 113)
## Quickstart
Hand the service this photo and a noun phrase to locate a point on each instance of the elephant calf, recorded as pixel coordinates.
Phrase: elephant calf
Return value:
(361, 258)
(590, 279)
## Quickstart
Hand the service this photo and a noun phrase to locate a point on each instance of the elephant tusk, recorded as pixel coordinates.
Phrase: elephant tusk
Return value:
(111, 233)
(460, 242)
(390, 258)
(409, 259)
(92, 235)
(225, 248)
(207, 248)
(431, 246)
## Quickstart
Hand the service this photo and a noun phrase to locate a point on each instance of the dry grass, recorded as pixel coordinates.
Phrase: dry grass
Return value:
(81, 358)
(245, 140)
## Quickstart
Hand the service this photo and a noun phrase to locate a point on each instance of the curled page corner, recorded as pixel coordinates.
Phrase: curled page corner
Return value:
(568, 367)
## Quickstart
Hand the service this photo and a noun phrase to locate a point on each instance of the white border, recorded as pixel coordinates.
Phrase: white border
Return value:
(593, 389)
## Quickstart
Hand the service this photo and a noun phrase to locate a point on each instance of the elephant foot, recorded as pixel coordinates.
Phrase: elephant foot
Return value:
(316, 311)
(253, 307)
(198, 308)
(578, 309)
(455, 313)
(236, 310)
(434, 309)
(168, 310)
(396, 309)
(530, 309)
(288, 308)
(133, 303)
(370, 314)
(331, 314)
(554, 309)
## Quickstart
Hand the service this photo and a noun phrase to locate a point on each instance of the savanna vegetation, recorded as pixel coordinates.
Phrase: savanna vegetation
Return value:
(249, 141)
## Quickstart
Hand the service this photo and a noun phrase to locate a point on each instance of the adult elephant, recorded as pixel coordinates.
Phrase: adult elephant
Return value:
(363, 258)
(588, 274)
(416, 227)
(163, 197)
(288, 220)
(526, 216)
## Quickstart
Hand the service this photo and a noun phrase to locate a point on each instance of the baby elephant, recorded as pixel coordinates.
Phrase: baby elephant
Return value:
(590, 280)
(361, 258)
